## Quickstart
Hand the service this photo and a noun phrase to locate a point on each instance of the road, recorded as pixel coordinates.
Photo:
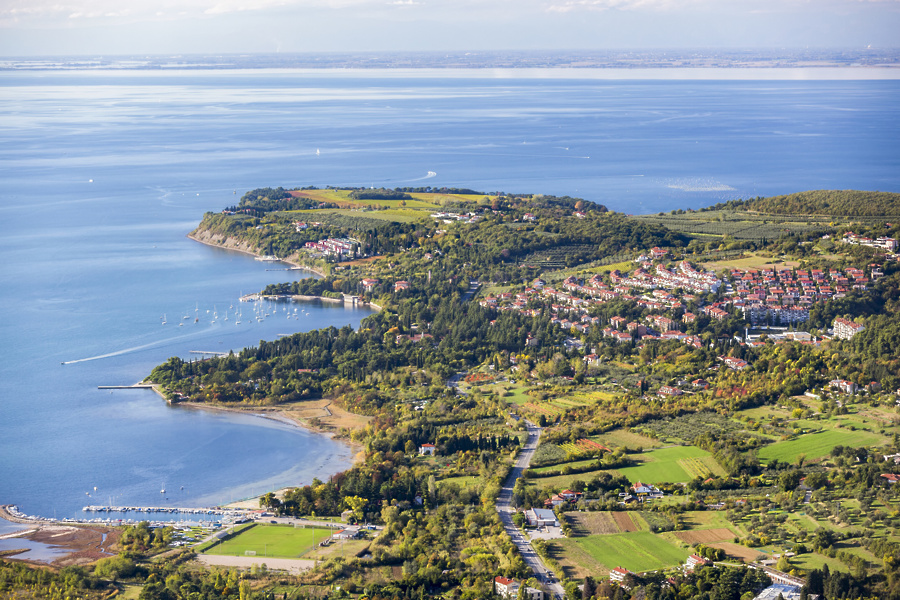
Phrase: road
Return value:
(541, 572)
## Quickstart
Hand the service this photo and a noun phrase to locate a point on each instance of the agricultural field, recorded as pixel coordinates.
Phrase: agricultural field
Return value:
(738, 551)
(817, 445)
(637, 551)
(622, 262)
(740, 225)
(583, 446)
(704, 536)
(750, 260)
(674, 464)
(600, 523)
(575, 465)
(687, 427)
(622, 437)
(561, 482)
(278, 541)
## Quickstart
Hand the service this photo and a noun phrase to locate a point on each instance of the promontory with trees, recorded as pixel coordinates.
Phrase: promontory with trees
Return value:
(717, 393)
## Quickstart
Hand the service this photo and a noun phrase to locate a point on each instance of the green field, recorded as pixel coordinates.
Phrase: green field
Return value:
(278, 541)
(465, 482)
(637, 551)
(668, 464)
(817, 445)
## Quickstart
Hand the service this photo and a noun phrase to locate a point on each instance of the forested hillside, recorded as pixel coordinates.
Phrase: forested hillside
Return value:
(830, 202)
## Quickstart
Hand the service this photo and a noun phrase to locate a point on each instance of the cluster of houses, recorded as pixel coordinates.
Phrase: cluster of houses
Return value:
(449, 217)
(778, 296)
(786, 295)
(848, 387)
(884, 243)
(340, 247)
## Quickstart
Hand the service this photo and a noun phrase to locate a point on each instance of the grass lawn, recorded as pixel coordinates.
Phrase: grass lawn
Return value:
(817, 445)
(465, 482)
(279, 541)
(130, 591)
(637, 551)
(666, 465)
(811, 560)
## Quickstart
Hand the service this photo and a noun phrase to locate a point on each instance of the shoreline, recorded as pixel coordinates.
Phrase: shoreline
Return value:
(279, 416)
(232, 244)
(227, 243)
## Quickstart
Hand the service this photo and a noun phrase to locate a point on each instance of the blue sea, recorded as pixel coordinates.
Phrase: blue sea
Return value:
(103, 173)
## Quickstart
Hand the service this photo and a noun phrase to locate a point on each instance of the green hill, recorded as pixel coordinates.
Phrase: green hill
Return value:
(843, 203)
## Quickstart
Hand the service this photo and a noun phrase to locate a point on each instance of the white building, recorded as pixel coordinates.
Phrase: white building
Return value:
(541, 517)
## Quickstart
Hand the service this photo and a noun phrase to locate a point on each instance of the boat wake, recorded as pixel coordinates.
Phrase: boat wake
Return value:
(428, 176)
(127, 350)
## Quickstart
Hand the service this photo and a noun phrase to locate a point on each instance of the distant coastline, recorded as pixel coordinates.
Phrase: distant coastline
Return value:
(563, 61)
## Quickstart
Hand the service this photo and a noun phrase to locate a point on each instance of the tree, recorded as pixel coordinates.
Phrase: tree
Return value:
(789, 480)
(268, 500)
(356, 504)
(589, 589)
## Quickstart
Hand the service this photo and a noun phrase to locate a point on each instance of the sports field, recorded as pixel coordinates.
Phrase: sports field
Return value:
(636, 551)
(676, 464)
(817, 445)
(277, 541)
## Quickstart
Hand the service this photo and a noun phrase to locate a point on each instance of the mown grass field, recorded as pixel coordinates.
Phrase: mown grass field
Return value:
(278, 541)
(817, 445)
(676, 464)
(465, 482)
(636, 551)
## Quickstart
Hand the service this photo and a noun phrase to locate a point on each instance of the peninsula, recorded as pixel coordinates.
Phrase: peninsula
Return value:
(557, 400)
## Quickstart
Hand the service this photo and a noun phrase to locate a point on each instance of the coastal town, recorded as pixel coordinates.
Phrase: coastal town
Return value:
(631, 422)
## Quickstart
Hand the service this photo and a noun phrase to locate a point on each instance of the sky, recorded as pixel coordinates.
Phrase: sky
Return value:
(129, 27)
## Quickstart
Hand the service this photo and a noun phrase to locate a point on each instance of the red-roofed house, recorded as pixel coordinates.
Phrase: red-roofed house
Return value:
(619, 574)
(427, 449)
(693, 560)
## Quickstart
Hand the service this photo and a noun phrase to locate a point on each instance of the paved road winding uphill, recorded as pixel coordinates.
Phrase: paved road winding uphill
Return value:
(542, 573)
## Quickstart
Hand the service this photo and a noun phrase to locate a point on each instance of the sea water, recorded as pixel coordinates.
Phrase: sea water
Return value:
(102, 174)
